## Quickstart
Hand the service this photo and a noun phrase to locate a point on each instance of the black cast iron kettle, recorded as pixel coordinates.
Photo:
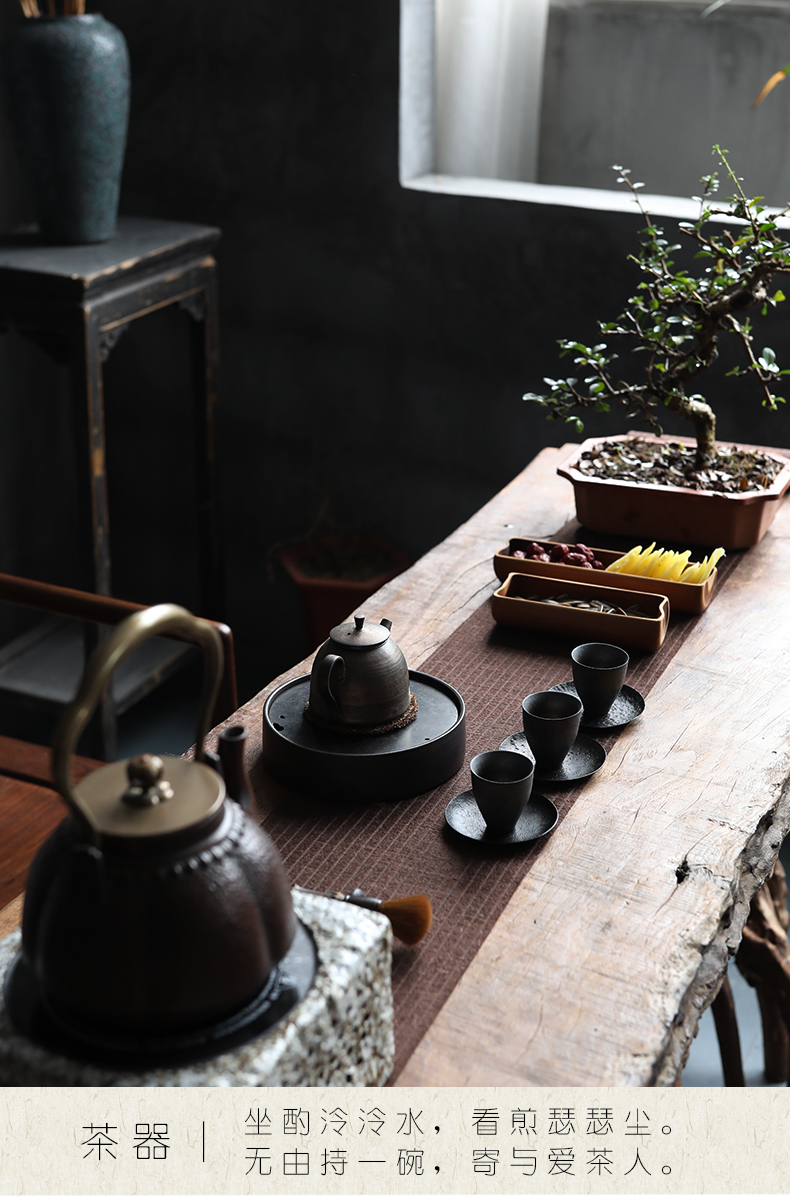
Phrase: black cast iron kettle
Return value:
(158, 905)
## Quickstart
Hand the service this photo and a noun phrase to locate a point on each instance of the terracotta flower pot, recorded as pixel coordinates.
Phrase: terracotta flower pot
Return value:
(335, 574)
(674, 513)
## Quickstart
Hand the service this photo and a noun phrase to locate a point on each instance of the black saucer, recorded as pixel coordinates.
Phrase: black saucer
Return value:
(539, 817)
(627, 706)
(585, 758)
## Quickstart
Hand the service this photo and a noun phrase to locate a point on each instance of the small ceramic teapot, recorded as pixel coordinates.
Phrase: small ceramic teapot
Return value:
(158, 904)
(360, 677)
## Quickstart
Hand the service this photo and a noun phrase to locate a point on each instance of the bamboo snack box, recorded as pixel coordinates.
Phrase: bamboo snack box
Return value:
(518, 603)
(684, 596)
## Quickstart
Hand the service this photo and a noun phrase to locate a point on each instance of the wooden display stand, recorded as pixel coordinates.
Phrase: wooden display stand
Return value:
(76, 301)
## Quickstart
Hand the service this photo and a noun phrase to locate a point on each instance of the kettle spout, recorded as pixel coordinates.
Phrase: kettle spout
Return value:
(387, 623)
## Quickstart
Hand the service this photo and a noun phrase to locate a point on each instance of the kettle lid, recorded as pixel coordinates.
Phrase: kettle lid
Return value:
(360, 634)
(150, 795)
(133, 798)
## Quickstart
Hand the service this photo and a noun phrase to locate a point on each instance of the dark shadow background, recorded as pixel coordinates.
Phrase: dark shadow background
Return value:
(376, 341)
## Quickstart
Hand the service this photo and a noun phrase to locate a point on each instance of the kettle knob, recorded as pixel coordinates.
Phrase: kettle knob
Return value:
(146, 786)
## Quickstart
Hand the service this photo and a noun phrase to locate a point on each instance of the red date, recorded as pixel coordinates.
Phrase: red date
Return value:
(579, 555)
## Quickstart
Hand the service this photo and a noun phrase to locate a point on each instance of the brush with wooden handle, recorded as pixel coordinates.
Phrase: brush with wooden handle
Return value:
(410, 917)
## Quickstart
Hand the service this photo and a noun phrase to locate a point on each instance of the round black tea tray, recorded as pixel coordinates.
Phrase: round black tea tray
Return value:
(370, 768)
(32, 1015)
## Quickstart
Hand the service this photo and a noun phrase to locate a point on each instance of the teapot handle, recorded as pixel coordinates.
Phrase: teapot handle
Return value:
(330, 666)
(128, 635)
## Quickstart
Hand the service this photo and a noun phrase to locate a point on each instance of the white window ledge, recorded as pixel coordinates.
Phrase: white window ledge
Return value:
(548, 193)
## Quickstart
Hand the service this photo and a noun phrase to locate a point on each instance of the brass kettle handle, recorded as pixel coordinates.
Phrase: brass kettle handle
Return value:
(128, 635)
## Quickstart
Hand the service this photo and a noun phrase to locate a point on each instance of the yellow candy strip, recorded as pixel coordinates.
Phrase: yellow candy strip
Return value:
(662, 562)
(664, 565)
(715, 557)
(622, 564)
(648, 558)
(676, 568)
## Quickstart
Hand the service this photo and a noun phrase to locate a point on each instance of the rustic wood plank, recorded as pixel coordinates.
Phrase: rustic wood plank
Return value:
(617, 939)
(602, 963)
(11, 916)
(28, 814)
(32, 762)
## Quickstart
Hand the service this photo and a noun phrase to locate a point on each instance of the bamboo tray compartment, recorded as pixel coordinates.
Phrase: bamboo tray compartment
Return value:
(511, 605)
(683, 595)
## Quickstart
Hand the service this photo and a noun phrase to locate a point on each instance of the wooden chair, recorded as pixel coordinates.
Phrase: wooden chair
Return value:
(99, 611)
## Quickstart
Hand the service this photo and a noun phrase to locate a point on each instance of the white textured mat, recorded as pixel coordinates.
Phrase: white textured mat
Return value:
(339, 1035)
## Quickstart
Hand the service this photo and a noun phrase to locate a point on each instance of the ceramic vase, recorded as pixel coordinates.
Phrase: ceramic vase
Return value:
(67, 86)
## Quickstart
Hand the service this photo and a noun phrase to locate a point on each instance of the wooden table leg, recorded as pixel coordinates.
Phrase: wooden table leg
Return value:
(763, 960)
(204, 313)
(88, 417)
(723, 1008)
(91, 468)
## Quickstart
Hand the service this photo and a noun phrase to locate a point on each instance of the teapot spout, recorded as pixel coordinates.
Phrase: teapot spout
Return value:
(231, 753)
(387, 623)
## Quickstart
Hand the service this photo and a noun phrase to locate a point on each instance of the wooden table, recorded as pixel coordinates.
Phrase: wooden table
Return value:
(30, 809)
(600, 966)
(598, 969)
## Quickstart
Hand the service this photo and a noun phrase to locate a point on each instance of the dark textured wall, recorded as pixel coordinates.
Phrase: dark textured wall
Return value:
(375, 340)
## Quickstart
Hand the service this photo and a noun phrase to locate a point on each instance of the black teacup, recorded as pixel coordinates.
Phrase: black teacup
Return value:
(551, 724)
(598, 673)
(502, 785)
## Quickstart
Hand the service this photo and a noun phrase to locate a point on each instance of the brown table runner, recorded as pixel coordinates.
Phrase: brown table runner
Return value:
(397, 848)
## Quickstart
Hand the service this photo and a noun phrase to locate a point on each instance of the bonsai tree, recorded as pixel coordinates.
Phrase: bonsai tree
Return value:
(675, 318)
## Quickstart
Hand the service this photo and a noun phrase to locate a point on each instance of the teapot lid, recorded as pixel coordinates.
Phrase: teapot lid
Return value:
(360, 634)
(150, 795)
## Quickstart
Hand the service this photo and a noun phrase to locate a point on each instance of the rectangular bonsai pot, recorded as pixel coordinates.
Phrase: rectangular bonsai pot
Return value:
(674, 513)
(514, 605)
(682, 595)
